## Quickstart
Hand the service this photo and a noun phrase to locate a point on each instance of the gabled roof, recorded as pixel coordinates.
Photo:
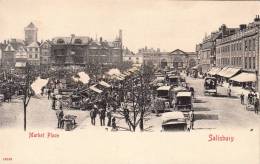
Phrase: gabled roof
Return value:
(17, 43)
(178, 52)
(9, 47)
(31, 25)
(46, 42)
(34, 44)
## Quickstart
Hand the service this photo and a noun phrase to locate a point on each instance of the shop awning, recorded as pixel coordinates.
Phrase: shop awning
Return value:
(214, 71)
(244, 77)
(117, 77)
(20, 64)
(223, 71)
(93, 88)
(105, 84)
(231, 72)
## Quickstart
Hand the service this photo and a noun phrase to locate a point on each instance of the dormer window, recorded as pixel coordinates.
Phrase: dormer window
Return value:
(60, 41)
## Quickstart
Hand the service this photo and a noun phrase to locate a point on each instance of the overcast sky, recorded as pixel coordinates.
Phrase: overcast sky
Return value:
(164, 24)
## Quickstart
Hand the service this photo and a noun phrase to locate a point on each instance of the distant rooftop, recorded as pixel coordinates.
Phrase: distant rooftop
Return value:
(31, 25)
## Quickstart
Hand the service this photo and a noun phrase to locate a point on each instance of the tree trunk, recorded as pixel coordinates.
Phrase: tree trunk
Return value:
(142, 121)
(24, 118)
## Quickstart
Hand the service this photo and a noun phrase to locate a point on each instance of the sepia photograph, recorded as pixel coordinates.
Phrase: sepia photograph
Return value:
(129, 82)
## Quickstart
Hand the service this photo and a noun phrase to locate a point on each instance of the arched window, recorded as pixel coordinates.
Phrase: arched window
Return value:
(60, 41)
(78, 41)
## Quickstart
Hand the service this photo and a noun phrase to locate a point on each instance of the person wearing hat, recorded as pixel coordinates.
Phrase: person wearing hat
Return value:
(93, 114)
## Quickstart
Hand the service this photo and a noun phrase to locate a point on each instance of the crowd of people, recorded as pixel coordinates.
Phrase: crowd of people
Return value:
(252, 100)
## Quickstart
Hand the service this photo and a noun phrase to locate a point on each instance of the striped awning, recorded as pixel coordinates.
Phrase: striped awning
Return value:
(244, 77)
(214, 71)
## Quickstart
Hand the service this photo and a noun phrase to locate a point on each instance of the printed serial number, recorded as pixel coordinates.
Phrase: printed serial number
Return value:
(7, 159)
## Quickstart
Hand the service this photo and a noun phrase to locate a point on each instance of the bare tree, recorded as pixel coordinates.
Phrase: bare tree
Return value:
(136, 104)
(27, 91)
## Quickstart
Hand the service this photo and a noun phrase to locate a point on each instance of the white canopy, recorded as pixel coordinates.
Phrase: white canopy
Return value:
(222, 72)
(231, 72)
(113, 71)
(214, 71)
(83, 77)
(20, 64)
(164, 88)
(173, 115)
(38, 84)
(105, 84)
(93, 88)
(245, 77)
(184, 94)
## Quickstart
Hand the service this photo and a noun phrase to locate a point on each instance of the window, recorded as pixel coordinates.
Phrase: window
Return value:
(249, 44)
(30, 56)
(253, 45)
(245, 62)
(129, 58)
(253, 67)
(249, 62)
(36, 55)
(245, 45)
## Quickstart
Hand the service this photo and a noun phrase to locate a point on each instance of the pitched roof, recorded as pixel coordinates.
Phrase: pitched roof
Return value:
(34, 44)
(68, 40)
(31, 25)
(178, 51)
(46, 42)
(9, 47)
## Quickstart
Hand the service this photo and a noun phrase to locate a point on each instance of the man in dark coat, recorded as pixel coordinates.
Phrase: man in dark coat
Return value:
(60, 114)
(102, 116)
(109, 117)
(93, 114)
(256, 105)
(49, 93)
(242, 97)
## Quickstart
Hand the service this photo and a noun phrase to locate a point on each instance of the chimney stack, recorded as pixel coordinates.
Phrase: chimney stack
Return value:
(120, 35)
(242, 27)
(100, 40)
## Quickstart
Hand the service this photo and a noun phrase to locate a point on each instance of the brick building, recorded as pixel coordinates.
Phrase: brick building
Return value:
(238, 54)
(81, 50)
(207, 48)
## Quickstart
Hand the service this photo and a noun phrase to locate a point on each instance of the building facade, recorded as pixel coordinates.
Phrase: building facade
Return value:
(33, 51)
(176, 59)
(129, 56)
(207, 48)
(81, 50)
(30, 32)
(241, 50)
(45, 54)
